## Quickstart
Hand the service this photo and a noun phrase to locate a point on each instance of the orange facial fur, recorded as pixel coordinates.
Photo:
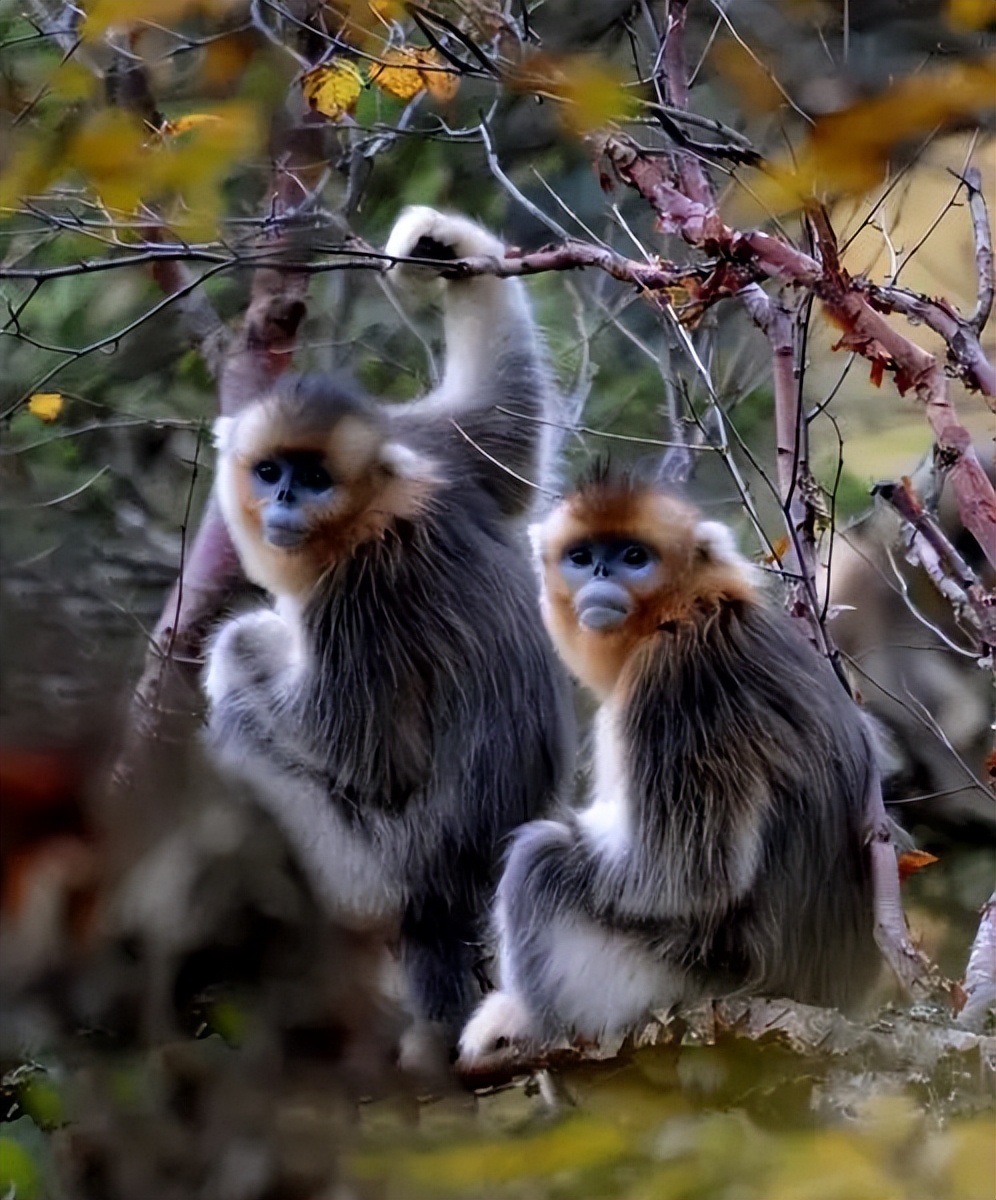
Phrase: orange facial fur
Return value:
(699, 569)
(377, 483)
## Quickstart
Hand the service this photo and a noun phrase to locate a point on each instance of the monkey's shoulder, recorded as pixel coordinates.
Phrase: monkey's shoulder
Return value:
(745, 668)
(449, 587)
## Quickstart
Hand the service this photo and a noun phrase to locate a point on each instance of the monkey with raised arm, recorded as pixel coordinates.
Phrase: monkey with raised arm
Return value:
(722, 850)
(400, 709)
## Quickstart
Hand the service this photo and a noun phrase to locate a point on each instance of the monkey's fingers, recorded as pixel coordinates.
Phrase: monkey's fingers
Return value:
(422, 232)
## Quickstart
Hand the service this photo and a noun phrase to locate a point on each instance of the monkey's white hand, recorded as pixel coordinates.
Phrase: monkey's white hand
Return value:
(422, 232)
(249, 651)
(500, 1019)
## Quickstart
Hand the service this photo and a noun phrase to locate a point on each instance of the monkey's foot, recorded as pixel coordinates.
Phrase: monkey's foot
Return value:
(422, 232)
(501, 1020)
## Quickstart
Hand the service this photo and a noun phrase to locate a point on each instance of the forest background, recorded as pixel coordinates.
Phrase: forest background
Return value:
(758, 237)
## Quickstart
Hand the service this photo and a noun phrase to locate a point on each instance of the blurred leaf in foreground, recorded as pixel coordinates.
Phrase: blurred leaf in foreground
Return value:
(592, 93)
(19, 1177)
(848, 152)
(46, 406)
(105, 13)
(577, 1144)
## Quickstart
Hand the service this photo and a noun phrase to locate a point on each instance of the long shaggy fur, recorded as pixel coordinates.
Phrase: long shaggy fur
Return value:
(723, 849)
(402, 711)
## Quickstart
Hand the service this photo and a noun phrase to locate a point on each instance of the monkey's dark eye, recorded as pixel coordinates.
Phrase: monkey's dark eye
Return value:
(635, 556)
(314, 477)
(268, 471)
(580, 556)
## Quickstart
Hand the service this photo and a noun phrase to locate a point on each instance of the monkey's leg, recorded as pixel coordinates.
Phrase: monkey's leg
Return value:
(563, 970)
(439, 949)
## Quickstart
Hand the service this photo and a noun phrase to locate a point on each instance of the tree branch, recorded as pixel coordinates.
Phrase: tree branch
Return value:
(916, 973)
(965, 353)
(865, 330)
(986, 285)
(946, 568)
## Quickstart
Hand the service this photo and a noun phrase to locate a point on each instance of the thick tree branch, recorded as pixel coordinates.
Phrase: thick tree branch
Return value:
(818, 1034)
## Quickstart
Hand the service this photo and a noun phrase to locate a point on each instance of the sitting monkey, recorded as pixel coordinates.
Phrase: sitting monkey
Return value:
(722, 850)
(400, 709)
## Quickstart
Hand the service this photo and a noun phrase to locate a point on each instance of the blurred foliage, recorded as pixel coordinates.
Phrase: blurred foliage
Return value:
(635, 1140)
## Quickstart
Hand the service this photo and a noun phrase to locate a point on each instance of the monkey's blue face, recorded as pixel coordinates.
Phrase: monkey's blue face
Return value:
(294, 489)
(606, 576)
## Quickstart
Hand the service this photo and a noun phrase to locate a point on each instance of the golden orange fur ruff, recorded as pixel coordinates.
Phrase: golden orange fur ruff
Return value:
(700, 569)
(378, 483)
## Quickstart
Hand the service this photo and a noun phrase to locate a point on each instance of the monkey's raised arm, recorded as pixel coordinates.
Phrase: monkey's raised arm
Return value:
(496, 392)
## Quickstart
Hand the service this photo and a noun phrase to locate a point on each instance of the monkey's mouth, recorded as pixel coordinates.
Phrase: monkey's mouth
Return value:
(285, 537)
(602, 605)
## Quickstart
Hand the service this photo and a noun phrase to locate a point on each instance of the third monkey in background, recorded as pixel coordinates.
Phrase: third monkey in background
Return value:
(722, 850)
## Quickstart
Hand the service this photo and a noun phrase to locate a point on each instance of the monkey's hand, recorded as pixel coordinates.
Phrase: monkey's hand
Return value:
(500, 1022)
(249, 653)
(422, 232)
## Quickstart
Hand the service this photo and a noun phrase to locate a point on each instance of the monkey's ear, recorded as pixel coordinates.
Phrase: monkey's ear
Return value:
(405, 463)
(223, 431)
(714, 543)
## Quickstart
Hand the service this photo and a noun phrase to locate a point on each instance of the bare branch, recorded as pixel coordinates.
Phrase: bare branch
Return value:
(947, 569)
(694, 181)
(866, 331)
(795, 487)
(965, 352)
(986, 285)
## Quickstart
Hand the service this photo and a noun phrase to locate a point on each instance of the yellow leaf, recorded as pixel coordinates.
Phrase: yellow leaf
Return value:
(110, 150)
(224, 61)
(441, 84)
(407, 70)
(332, 89)
(31, 164)
(365, 22)
(398, 73)
(46, 406)
(748, 75)
(594, 97)
(71, 81)
(192, 168)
